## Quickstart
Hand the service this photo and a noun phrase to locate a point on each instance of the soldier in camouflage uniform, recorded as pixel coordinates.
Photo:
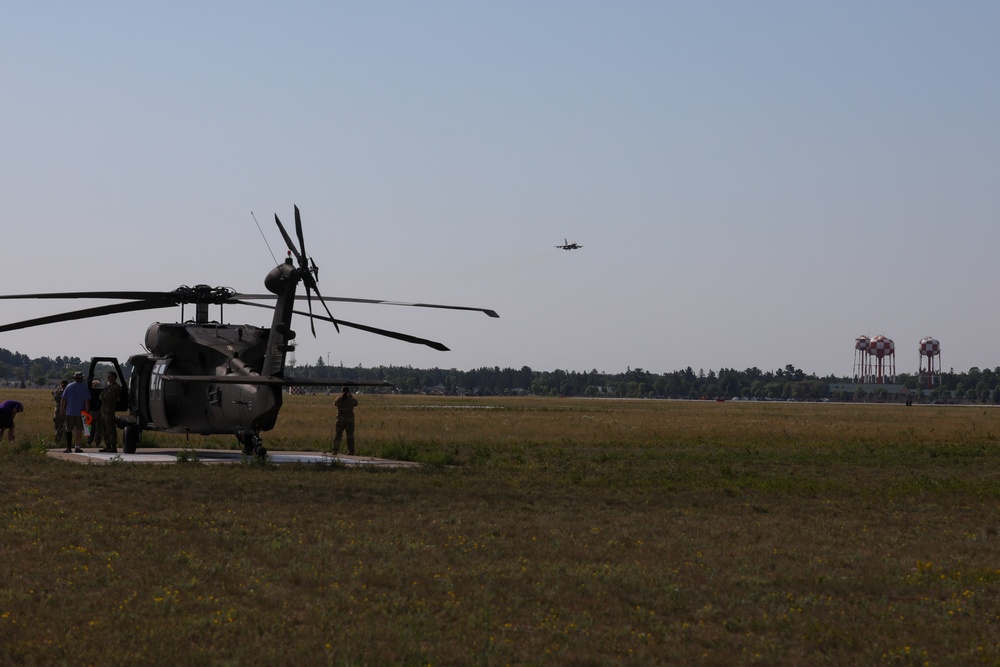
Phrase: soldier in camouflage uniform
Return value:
(345, 420)
(58, 420)
(109, 398)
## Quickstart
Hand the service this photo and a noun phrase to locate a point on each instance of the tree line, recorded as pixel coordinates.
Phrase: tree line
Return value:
(750, 384)
(21, 370)
(974, 385)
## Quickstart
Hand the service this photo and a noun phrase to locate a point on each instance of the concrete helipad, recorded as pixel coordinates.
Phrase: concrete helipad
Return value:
(223, 456)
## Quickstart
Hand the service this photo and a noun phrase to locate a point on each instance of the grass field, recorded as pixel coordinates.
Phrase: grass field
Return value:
(541, 531)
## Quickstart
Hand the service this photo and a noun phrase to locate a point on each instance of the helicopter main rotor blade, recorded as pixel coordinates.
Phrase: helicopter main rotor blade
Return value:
(345, 299)
(272, 297)
(333, 319)
(363, 327)
(89, 312)
(406, 338)
(489, 312)
(137, 296)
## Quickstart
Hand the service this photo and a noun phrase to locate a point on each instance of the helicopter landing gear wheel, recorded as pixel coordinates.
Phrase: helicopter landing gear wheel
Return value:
(130, 438)
(251, 443)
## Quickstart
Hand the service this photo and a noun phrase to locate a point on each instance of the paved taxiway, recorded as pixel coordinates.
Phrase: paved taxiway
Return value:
(223, 456)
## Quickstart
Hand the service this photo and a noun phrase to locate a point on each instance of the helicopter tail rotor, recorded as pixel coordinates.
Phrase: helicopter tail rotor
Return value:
(307, 271)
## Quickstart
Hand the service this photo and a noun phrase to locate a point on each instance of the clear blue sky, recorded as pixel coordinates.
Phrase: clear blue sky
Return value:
(755, 184)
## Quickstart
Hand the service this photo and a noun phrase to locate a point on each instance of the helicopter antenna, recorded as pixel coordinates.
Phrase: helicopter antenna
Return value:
(264, 237)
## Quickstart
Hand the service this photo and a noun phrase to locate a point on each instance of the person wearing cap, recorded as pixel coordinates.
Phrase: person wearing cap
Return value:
(75, 399)
(345, 420)
(7, 411)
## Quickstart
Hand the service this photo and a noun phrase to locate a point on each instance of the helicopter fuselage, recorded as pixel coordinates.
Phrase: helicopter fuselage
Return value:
(163, 400)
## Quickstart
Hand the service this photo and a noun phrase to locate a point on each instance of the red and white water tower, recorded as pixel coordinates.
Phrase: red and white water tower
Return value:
(883, 365)
(874, 360)
(862, 362)
(931, 349)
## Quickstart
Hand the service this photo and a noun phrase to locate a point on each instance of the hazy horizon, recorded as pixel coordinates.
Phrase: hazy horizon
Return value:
(754, 184)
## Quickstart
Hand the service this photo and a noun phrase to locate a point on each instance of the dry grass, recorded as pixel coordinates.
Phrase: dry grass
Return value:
(567, 532)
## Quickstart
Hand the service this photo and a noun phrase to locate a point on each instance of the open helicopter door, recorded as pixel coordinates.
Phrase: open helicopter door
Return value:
(121, 405)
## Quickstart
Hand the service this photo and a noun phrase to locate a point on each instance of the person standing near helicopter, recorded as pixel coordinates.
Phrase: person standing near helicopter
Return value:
(96, 432)
(58, 421)
(345, 420)
(75, 399)
(109, 398)
(7, 411)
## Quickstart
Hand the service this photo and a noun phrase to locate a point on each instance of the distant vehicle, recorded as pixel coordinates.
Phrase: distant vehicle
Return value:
(569, 246)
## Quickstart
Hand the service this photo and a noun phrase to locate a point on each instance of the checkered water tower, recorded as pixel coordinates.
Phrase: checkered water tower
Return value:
(930, 349)
(874, 360)
(862, 367)
(883, 364)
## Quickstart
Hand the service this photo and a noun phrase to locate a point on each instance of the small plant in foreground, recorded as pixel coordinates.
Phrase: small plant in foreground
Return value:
(188, 455)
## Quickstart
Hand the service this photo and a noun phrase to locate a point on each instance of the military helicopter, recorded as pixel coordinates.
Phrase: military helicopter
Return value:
(206, 377)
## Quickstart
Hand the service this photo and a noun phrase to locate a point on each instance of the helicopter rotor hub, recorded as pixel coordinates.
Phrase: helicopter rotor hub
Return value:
(204, 294)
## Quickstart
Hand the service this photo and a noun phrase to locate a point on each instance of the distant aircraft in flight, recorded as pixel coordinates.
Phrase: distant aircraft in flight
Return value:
(569, 246)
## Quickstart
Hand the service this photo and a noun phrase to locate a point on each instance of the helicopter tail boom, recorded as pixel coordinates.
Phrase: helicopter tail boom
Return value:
(275, 381)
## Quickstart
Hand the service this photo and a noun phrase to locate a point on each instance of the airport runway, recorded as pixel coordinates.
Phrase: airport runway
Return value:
(224, 456)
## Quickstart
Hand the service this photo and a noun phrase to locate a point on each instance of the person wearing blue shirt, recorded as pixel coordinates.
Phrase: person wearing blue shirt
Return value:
(75, 399)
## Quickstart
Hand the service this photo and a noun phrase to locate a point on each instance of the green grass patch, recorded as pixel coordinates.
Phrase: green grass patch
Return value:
(547, 531)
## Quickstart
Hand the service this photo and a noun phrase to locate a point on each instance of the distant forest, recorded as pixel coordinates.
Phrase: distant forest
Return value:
(974, 385)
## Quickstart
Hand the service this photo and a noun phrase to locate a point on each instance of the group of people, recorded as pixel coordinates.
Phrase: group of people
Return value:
(72, 407)
(73, 401)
